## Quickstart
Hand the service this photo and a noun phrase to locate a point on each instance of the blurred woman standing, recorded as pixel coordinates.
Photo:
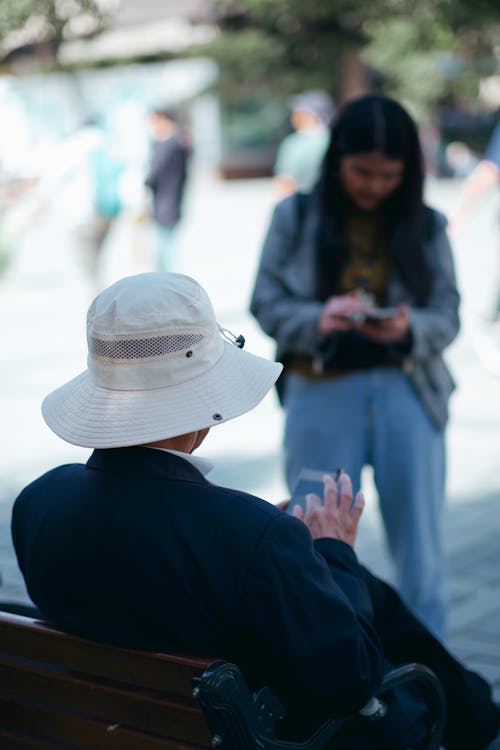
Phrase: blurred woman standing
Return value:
(357, 286)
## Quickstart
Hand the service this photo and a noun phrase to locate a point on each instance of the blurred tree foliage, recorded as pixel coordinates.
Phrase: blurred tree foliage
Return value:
(434, 54)
(287, 45)
(408, 55)
(50, 21)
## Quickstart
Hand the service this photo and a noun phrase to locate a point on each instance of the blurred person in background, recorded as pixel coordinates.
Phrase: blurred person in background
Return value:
(300, 154)
(80, 186)
(460, 159)
(485, 176)
(106, 166)
(357, 286)
(482, 179)
(166, 180)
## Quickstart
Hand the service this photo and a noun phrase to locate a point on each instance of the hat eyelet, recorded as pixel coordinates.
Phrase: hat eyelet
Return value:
(189, 353)
(217, 417)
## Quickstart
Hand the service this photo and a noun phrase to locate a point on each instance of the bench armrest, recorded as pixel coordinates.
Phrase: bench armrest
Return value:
(241, 720)
(432, 689)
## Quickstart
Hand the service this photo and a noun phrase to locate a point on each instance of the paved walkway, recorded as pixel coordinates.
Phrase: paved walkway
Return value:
(43, 301)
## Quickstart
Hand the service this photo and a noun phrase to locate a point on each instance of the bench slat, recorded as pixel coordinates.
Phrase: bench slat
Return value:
(9, 741)
(37, 640)
(79, 733)
(148, 713)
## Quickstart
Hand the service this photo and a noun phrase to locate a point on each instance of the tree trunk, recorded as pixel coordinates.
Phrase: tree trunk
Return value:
(353, 78)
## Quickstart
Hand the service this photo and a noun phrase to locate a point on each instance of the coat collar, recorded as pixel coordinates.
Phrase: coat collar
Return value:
(144, 462)
(202, 464)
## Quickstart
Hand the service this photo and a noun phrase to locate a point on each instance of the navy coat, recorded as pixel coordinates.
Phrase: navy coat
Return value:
(137, 548)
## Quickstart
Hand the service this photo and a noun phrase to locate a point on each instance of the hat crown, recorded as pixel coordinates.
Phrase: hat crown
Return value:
(151, 330)
(148, 303)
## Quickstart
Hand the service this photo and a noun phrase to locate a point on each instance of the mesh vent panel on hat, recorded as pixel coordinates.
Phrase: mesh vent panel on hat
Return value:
(144, 348)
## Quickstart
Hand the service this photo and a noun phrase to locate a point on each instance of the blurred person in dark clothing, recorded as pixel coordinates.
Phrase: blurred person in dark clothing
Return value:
(166, 179)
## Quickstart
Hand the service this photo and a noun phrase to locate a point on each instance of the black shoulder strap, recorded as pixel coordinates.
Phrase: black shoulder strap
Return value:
(301, 201)
(429, 223)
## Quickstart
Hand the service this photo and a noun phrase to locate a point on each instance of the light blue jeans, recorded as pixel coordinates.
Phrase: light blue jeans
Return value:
(165, 248)
(375, 417)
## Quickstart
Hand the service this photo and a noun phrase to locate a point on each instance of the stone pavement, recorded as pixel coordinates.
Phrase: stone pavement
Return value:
(43, 300)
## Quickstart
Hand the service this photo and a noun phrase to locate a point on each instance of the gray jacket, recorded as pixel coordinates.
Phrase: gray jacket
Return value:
(284, 302)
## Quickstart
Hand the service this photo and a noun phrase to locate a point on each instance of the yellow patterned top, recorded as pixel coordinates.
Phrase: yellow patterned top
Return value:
(367, 265)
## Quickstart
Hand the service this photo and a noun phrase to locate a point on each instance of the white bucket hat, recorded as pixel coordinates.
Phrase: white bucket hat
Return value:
(159, 365)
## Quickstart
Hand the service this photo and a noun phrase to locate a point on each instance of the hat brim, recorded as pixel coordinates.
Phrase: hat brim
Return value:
(85, 414)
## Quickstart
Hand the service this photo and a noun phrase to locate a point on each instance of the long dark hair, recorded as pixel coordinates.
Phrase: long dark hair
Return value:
(374, 123)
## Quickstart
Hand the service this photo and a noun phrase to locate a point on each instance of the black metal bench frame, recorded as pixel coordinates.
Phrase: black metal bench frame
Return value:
(241, 720)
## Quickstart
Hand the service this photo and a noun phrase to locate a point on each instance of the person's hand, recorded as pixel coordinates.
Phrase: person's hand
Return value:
(455, 223)
(284, 185)
(337, 311)
(336, 517)
(387, 330)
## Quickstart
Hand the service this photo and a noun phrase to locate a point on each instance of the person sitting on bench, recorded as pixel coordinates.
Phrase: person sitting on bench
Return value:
(137, 548)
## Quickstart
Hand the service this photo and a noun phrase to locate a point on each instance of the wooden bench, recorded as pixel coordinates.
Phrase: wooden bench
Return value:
(60, 692)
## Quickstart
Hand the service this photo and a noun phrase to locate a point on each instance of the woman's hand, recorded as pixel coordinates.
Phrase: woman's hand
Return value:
(389, 330)
(339, 312)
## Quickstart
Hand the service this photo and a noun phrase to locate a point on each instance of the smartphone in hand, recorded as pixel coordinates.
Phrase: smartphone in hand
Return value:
(375, 315)
(380, 313)
(309, 480)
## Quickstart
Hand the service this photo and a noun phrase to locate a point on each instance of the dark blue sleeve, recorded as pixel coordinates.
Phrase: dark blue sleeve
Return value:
(493, 151)
(344, 567)
(313, 611)
(163, 154)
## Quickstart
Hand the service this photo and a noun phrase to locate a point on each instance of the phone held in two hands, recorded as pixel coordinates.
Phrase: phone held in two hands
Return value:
(372, 313)
(374, 316)
(309, 481)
